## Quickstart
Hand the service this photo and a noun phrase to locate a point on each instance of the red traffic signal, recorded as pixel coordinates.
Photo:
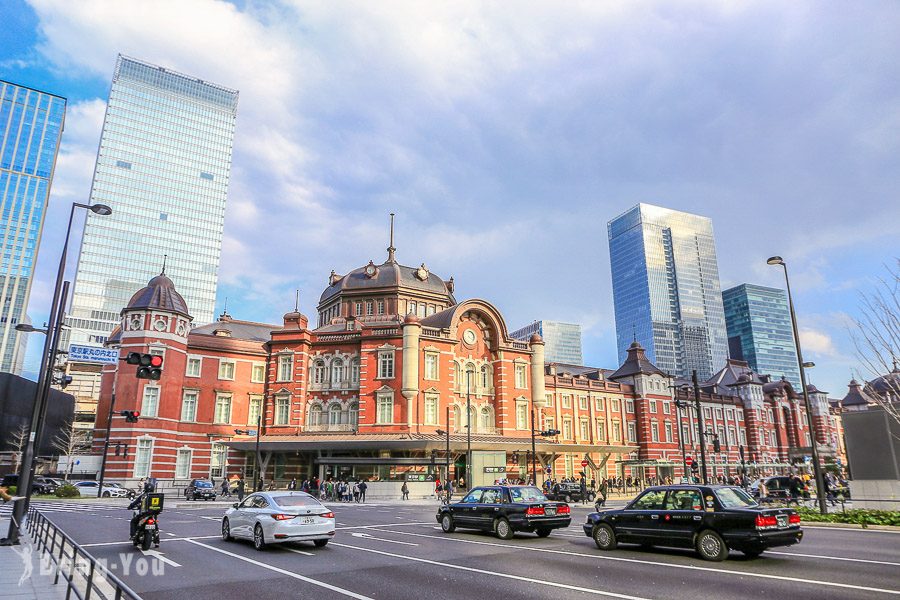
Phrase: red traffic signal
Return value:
(131, 416)
(149, 365)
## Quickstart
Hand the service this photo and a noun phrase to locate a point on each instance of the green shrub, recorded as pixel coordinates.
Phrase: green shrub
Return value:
(856, 516)
(11, 490)
(67, 490)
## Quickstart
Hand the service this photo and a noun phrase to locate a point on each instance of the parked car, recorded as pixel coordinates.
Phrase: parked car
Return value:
(129, 493)
(200, 489)
(504, 510)
(90, 489)
(278, 517)
(48, 485)
(777, 487)
(569, 492)
(38, 485)
(712, 519)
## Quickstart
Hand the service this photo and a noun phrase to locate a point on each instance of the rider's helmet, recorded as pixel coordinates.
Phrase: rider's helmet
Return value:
(150, 485)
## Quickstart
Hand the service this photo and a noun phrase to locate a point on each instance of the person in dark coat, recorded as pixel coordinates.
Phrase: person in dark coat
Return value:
(362, 490)
(240, 489)
(293, 484)
(404, 491)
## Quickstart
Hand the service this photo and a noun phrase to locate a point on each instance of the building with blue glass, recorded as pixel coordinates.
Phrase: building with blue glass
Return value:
(759, 330)
(562, 341)
(666, 289)
(163, 165)
(31, 125)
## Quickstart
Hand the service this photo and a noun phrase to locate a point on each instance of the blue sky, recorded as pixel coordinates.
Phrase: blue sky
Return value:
(505, 139)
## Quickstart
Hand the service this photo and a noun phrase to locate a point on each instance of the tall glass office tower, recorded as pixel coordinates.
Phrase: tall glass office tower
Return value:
(562, 341)
(31, 125)
(759, 330)
(666, 289)
(163, 166)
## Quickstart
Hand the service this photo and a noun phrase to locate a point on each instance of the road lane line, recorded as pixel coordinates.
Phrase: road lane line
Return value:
(285, 572)
(382, 525)
(495, 574)
(184, 539)
(862, 560)
(655, 563)
(295, 551)
(367, 536)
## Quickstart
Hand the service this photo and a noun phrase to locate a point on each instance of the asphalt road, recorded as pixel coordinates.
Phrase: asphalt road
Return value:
(397, 551)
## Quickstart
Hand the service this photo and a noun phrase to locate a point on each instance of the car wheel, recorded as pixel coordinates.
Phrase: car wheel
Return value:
(320, 543)
(543, 532)
(604, 536)
(259, 540)
(711, 546)
(226, 530)
(590, 497)
(504, 529)
(447, 524)
(568, 499)
(752, 553)
(106, 494)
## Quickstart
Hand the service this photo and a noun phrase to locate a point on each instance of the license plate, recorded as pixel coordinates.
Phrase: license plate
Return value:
(307, 520)
(550, 510)
(782, 520)
(149, 527)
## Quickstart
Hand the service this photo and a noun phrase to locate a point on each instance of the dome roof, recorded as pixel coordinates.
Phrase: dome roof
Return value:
(160, 294)
(388, 275)
(886, 384)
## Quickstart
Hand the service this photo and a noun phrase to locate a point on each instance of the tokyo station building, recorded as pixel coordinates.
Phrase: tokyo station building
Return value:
(391, 366)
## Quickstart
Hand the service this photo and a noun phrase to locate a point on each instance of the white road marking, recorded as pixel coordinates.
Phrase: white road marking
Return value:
(382, 525)
(862, 560)
(159, 556)
(370, 537)
(495, 574)
(656, 563)
(295, 551)
(184, 539)
(328, 586)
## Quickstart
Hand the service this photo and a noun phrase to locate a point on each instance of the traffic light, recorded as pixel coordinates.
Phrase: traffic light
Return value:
(131, 416)
(149, 365)
(549, 433)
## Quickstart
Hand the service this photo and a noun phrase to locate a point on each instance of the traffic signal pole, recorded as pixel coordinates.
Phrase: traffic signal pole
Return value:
(112, 404)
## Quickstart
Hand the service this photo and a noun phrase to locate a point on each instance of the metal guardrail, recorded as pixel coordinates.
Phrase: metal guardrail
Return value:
(86, 578)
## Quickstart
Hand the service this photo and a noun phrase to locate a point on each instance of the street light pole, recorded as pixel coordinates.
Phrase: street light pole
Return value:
(533, 452)
(256, 473)
(701, 424)
(817, 469)
(468, 428)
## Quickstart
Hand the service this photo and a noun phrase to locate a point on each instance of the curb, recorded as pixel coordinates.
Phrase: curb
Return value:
(825, 524)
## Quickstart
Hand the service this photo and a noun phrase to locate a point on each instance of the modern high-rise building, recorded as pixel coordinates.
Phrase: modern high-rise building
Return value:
(562, 341)
(759, 330)
(666, 289)
(163, 166)
(31, 125)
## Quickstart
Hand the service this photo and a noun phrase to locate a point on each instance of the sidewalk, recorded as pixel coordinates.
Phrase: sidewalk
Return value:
(20, 573)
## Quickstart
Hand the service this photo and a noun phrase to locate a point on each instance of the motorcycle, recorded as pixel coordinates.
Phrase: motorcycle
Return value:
(146, 533)
(145, 522)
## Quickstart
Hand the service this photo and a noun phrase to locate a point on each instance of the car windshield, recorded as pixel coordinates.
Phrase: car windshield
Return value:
(733, 497)
(113, 484)
(202, 484)
(296, 501)
(526, 494)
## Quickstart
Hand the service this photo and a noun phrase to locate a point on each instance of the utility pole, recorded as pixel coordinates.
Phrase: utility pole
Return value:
(701, 425)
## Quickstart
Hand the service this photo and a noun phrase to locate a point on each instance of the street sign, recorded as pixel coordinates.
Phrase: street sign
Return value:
(107, 356)
(548, 470)
(495, 469)
(688, 461)
(584, 463)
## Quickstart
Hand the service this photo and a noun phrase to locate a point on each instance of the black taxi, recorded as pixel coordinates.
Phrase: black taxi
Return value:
(710, 518)
(504, 510)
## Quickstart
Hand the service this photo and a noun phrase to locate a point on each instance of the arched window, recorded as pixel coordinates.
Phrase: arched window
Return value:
(354, 372)
(337, 372)
(470, 376)
(318, 372)
(473, 419)
(460, 384)
(334, 414)
(485, 376)
(315, 415)
(487, 420)
(457, 419)
(354, 414)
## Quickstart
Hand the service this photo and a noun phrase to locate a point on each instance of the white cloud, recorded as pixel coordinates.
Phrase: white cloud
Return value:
(816, 342)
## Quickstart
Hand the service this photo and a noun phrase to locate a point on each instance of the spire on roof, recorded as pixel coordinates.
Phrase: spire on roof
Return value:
(165, 257)
(391, 250)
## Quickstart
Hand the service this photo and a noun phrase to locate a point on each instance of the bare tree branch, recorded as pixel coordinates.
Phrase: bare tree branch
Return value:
(19, 439)
(69, 440)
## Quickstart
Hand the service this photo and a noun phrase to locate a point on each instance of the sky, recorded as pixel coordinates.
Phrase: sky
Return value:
(505, 136)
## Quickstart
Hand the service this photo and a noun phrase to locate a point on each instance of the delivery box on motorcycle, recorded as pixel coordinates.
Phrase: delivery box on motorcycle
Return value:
(152, 503)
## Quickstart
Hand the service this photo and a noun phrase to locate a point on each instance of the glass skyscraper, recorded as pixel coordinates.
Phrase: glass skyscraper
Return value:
(562, 341)
(31, 125)
(163, 166)
(666, 289)
(759, 330)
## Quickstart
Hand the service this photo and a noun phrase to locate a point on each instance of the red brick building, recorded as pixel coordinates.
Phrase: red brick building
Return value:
(388, 376)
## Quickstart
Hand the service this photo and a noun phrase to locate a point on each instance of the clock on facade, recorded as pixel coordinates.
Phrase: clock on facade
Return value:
(370, 270)
(469, 337)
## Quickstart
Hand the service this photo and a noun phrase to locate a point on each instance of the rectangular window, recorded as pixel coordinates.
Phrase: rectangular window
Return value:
(226, 369)
(254, 410)
(614, 405)
(706, 413)
(150, 404)
(258, 373)
(123, 164)
(189, 406)
(520, 377)
(668, 432)
(632, 432)
(629, 407)
(431, 366)
(217, 460)
(549, 423)
(223, 409)
(599, 404)
(567, 429)
(411, 308)
(142, 458)
(369, 308)
(582, 402)
(719, 414)
(183, 463)
(384, 409)
(585, 426)
(567, 401)
(601, 430)
(354, 371)
(385, 365)
(359, 308)
(521, 415)
(617, 431)
(667, 408)
(380, 306)
(653, 406)
(743, 437)
(431, 410)
(193, 366)
(285, 367)
(654, 431)
(685, 434)
(282, 410)
(204, 175)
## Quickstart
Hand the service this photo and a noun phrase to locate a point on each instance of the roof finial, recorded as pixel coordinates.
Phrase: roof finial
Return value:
(633, 333)
(391, 248)
(297, 302)
(165, 257)
(225, 314)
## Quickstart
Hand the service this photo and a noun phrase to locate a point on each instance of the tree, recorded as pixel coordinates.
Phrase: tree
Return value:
(876, 336)
(69, 440)
(19, 439)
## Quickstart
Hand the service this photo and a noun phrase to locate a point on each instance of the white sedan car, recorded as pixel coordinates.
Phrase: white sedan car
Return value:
(278, 517)
(89, 489)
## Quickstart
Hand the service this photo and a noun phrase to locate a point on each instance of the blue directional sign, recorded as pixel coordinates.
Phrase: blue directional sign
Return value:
(93, 354)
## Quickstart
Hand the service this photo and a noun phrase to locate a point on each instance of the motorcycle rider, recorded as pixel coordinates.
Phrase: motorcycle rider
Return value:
(149, 488)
